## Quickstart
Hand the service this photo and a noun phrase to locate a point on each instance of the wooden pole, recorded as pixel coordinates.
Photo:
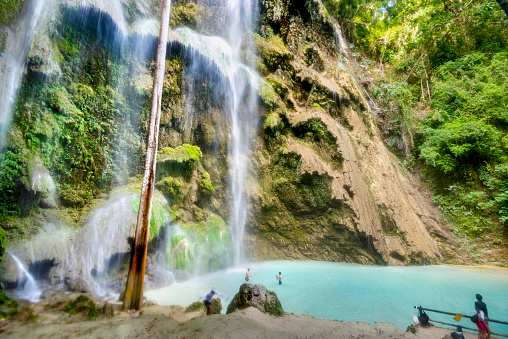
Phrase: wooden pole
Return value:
(133, 298)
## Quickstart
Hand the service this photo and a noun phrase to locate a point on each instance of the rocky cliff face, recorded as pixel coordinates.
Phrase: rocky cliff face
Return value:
(328, 189)
(321, 184)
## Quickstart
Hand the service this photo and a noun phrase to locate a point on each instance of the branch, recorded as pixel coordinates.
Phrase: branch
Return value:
(416, 63)
(356, 22)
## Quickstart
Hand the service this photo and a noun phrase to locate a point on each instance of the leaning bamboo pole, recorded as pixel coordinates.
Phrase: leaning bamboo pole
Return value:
(133, 298)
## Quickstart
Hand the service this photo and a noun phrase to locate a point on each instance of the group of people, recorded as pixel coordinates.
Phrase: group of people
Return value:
(248, 276)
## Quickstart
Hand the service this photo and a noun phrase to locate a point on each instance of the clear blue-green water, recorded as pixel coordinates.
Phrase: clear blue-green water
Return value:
(351, 292)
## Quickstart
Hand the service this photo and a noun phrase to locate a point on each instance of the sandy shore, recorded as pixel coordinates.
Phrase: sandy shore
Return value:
(173, 322)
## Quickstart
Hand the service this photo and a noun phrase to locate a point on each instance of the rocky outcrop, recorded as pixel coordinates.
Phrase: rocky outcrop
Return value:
(256, 295)
(200, 306)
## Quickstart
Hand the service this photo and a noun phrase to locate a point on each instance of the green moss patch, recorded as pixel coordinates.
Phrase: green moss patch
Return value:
(10, 10)
(82, 305)
(203, 247)
(159, 215)
(188, 15)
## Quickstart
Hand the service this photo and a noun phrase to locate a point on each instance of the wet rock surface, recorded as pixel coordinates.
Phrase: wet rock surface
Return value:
(256, 295)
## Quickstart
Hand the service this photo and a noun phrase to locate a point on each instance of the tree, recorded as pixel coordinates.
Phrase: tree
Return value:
(133, 298)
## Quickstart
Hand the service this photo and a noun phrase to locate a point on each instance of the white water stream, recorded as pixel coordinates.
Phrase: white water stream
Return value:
(12, 61)
(28, 288)
(243, 123)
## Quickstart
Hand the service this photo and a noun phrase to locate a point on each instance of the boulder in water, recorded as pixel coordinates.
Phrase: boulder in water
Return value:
(256, 295)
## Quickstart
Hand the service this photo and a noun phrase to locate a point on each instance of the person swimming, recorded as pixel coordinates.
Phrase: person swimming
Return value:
(247, 275)
(279, 278)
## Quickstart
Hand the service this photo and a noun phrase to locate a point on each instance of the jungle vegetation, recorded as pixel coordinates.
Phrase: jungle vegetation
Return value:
(438, 71)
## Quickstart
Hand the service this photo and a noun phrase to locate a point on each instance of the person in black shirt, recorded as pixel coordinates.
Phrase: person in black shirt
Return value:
(479, 305)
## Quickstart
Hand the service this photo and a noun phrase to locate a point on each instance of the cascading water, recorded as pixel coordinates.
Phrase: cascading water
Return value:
(94, 253)
(12, 61)
(27, 288)
(97, 250)
(243, 122)
(216, 59)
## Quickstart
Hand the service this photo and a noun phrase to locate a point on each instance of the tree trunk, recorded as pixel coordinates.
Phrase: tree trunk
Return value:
(133, 298)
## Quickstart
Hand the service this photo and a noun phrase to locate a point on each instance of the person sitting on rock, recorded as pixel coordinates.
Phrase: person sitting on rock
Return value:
(207, 299)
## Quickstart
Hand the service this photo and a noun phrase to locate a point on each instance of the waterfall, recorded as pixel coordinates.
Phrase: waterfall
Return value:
(27, 288)
(216, 59)
(99, 251)
(12, 61)
(243, 122)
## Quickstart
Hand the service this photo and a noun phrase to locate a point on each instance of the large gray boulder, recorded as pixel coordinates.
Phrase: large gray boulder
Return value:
(256, 295)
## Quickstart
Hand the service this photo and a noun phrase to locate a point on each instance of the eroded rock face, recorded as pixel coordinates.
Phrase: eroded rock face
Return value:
(329, 188)
(256, 295)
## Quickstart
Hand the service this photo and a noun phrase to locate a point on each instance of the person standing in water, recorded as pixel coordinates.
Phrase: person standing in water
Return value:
(247, 275)
(279, 278)
(207, 299)
(483, 322)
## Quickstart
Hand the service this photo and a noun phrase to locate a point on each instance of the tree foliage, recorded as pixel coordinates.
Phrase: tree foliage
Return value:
(442, 96)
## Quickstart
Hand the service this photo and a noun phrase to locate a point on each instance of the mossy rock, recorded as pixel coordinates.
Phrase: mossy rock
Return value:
(184, 153)
(179, 161)
(82, 95)
(83, 305)
(203, 247)
(256, 295)
(268, 94)
(10, 10)
(214, 234)
(159, 215)
(187, 15)
(45, 126)
(58, 100)
(7, 305)
(181, 249)
(205, 184)
(273, 121)
(200, 306)
(170, 187)
(274, 54)
(74, 197)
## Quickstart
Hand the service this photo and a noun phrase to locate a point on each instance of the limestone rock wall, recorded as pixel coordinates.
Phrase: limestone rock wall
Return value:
(342, 195)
